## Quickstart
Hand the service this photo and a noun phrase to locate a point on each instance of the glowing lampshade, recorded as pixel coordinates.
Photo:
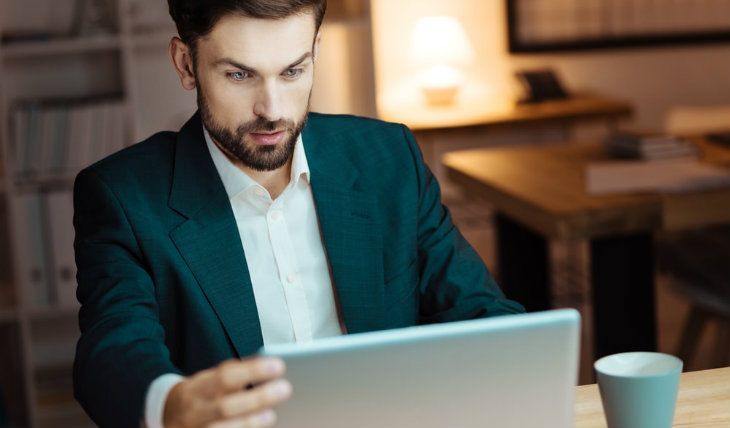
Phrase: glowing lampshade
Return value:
(439, 48)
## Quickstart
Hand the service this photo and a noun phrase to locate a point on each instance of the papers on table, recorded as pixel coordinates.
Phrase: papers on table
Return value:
(635, 144)
(675, 175)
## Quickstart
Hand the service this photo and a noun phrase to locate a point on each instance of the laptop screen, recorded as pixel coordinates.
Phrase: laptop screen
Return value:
(507, 371)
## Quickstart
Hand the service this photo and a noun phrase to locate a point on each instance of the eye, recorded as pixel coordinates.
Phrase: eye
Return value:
(293, 73)
(238, 76)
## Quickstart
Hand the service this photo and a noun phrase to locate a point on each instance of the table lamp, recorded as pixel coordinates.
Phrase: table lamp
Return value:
(439, 49)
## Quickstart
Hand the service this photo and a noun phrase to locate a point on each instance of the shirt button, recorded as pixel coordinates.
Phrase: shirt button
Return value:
(276, 215)
(291, 278)
(259, 191)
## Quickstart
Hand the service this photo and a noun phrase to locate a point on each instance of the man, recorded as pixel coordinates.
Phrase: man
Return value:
(250, 227)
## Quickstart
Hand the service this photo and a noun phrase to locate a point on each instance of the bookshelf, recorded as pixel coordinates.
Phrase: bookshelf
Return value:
(51, 72)
(63, 46)
(71, 92)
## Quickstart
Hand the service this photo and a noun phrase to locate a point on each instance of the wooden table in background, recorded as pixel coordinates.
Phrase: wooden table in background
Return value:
(703, 401)
(439, 129)
(492, 113)
(539, 194)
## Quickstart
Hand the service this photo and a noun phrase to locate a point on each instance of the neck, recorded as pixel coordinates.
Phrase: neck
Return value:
(274, 181)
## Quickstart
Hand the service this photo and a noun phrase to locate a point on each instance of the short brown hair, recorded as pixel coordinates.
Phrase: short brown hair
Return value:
(196, 18)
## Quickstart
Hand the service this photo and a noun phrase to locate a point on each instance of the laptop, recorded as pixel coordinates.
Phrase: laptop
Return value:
(508, 371)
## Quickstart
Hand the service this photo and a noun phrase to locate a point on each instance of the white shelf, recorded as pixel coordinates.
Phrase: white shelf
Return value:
(62, 46)
(44, 181)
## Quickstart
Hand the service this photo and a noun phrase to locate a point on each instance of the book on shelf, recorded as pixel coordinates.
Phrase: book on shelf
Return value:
(61, 136)
(79, 130)
(637, 144)
(19, 132)
(59, 212)
(56, 152)
(47, 139)
(46, 265)
(32, 268)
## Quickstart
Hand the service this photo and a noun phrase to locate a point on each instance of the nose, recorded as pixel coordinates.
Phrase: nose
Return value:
(267, 104)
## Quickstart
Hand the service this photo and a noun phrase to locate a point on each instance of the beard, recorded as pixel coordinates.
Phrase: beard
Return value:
(236, 144)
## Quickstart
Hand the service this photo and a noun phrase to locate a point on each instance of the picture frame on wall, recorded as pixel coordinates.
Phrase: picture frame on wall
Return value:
(573, 25)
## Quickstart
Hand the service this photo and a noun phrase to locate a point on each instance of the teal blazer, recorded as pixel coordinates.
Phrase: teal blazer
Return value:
(162, 276)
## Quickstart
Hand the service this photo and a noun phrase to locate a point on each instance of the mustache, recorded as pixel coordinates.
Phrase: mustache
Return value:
(260, 124)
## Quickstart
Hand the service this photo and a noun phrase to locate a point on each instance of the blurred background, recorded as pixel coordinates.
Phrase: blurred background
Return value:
(80, 79)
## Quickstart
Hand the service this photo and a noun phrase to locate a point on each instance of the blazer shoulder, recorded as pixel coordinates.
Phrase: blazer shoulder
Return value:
(138, 162)
(371, 144)
(360, 133)
(149, 152)
(351, 123)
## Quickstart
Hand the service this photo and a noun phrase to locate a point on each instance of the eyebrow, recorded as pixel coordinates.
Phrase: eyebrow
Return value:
(230, 61)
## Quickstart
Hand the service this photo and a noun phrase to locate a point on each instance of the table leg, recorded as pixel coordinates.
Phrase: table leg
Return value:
(522, 260)
(622, 277)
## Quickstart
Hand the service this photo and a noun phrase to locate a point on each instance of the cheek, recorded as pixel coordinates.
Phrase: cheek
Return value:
(231, 107)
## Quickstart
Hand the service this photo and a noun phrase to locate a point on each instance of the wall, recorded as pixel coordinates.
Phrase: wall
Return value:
(343, 76)
(653, 79)
(393, 22)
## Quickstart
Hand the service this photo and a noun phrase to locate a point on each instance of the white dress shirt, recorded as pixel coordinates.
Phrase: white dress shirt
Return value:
(286, 260)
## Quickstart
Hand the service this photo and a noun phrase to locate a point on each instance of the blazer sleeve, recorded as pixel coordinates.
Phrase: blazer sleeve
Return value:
(454, 282)
(121, 349)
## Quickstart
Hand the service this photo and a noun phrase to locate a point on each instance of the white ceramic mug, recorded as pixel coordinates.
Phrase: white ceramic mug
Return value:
(638, 389)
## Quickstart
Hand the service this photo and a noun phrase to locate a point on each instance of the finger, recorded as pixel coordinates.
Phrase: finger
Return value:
(253, 400)
(266, 418)
(234, 375)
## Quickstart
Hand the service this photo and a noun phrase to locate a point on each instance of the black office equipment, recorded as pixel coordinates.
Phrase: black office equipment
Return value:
(541, 85)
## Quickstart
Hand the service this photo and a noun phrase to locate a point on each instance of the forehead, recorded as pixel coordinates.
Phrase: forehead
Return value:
(259, 43)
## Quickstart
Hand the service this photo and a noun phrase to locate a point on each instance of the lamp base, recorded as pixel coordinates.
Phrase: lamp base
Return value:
(440, 96)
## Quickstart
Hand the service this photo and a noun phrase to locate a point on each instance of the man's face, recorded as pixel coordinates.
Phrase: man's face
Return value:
(254, 80)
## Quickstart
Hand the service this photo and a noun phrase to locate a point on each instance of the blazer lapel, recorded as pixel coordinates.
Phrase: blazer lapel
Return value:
(209, 241)
(348, 220)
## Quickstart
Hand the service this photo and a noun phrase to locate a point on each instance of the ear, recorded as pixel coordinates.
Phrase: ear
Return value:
(182, 60)
(315, 47)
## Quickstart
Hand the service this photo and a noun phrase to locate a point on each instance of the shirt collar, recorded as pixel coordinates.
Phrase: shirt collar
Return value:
(236, 181)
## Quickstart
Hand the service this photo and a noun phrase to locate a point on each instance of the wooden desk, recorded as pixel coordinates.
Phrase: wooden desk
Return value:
(498, 121)
(703, 401)
(482, 114)
(539, 194)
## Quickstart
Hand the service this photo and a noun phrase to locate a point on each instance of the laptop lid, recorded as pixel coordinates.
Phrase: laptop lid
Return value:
(507, 371)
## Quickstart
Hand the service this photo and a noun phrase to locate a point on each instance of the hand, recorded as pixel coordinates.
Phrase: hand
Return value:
(236, 393)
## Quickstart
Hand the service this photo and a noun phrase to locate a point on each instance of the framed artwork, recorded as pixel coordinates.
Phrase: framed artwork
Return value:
(568, 25)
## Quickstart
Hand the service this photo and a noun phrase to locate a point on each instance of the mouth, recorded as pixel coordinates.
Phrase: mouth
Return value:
(268, 138)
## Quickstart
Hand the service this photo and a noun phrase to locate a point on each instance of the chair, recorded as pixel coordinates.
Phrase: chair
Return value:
(697, 265)
(697, 262)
